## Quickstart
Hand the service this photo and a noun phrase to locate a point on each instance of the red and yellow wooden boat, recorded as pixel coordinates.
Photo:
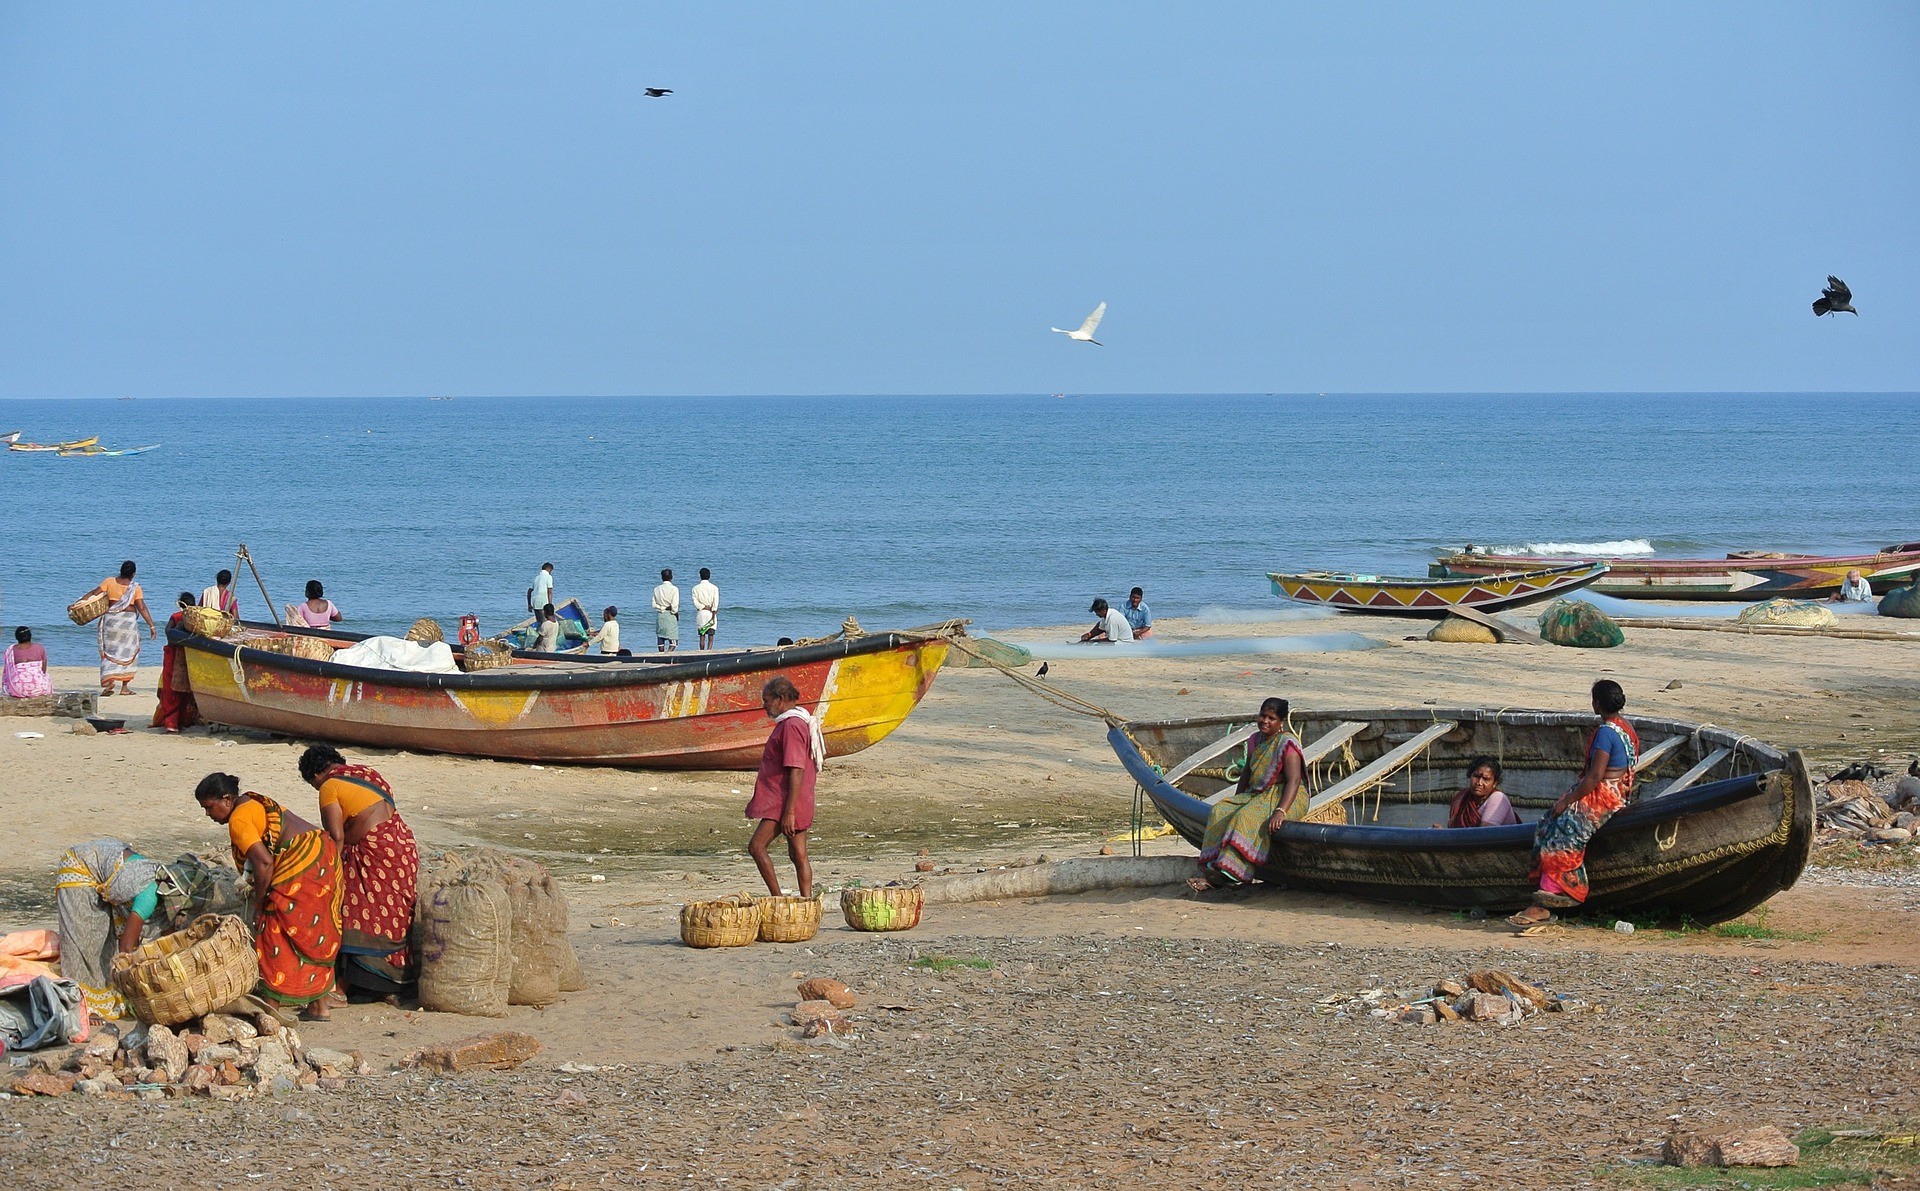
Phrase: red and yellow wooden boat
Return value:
(699, 712)
(1433, 597)
(1742, 575)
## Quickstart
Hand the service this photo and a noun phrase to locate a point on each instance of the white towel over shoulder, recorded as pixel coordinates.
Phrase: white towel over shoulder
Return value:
(818, 740)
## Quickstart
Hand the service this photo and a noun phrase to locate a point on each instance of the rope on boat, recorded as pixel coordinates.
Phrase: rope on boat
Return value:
(1064, 700)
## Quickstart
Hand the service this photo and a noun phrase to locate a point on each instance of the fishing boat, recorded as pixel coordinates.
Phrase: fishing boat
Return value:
(97, 452)
(703, 712)
(1742, 575)
(10, 437)
(1721, 822)
(1430, 597)
(575, 629)
(76, 445)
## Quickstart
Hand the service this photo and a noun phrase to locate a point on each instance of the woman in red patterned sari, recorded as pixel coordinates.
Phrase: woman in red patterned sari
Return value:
(176, 709)
(381, 867)
(1560, 842)
(296, 891)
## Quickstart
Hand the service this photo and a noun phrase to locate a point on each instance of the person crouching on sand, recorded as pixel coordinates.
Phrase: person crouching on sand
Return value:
(783, 789)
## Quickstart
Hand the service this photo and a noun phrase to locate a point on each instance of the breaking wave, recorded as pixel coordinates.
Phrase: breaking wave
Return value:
(1627, 546)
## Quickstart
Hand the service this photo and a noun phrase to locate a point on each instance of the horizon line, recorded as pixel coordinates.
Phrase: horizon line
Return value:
(1329, 393)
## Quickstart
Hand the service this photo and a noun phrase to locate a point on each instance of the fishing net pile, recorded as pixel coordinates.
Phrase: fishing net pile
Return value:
(1580, 625)
(1794, 613)
(1902, 602)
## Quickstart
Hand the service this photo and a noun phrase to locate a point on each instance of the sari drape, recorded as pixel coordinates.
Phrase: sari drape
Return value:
(23, 680)
(176, 709)
(1238, 836)
(1560, 842)
(94, 885)
(380, 875)
(119, 636)
(297, 936)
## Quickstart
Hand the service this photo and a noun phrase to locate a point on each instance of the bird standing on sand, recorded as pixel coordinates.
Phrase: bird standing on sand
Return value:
(1085, 333)
(1042, 673)
(1835, 298)
(657, 92)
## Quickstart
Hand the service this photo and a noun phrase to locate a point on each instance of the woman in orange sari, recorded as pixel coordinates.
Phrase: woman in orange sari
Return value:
(176, 708)
(295, 868)
(380, 870)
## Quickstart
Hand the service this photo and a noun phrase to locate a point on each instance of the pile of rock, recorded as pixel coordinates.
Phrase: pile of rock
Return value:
(1486, 996)
(822, 1009)
(1856, 810)
(223, 1056)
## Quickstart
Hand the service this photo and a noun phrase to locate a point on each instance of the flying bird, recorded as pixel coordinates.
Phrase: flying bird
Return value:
(1085, 333)
(657, 92)
(1835, 298)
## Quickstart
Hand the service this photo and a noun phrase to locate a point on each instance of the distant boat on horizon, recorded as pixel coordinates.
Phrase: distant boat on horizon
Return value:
(439, 399)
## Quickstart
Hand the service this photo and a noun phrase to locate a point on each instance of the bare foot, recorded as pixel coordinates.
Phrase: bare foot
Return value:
(316, 1012)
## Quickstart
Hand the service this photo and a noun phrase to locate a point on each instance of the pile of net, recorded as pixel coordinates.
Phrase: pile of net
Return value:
(1795, 613)
(1903, 602)
(491, 930)
(1579, 624)
(1460, 629)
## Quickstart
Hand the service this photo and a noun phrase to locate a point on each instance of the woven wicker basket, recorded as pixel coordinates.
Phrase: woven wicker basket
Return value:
(485, 655)
(207, 622)
(889, 907)
(426, 631)
(89, 609)
(724, 922)
(295, 645)
(188, 973)
(788, 919)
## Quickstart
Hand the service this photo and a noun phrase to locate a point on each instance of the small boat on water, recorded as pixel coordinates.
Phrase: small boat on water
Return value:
(575, 629)
(1721, 821)
(657, 711)
(1742, 575)
(10, 437)
(1434, 597)
(97, 452)
(76, 445)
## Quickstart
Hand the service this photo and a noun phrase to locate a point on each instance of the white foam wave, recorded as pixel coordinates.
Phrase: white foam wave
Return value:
(1622, 548)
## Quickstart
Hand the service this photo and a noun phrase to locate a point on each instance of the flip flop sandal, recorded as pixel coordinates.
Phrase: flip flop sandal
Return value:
(1526, 923)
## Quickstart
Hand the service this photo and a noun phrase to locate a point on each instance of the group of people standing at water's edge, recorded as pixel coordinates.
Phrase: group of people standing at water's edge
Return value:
(666, 615)
(1270, 792)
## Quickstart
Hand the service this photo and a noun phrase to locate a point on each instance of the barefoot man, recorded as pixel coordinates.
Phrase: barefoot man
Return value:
(783, 790)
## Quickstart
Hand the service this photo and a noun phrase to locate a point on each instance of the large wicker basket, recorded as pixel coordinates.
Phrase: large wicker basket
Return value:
(296, 645)
(886, 907)
(788, 919)
(207, 622)
(426, 631)
(485, 655)
(88, 609)
(724, 922)
(190, 972)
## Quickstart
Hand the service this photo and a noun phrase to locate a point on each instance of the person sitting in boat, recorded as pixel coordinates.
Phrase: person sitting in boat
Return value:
(608, 638)
(1481, 803)
(546, 633)
(316, 611)
(1240, 830)
(23, 668)
(1560, 841)
(221, 596)
(1112, 627)
(1853, 590)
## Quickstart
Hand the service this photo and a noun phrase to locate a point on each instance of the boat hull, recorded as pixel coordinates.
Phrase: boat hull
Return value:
(1431, 597)
(1760, 577)
(1709, 852)
(703, 714)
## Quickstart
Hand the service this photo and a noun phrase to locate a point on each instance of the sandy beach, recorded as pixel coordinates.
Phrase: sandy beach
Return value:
(1159, 1037)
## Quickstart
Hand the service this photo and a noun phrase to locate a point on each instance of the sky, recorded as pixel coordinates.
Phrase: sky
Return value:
(476, 199)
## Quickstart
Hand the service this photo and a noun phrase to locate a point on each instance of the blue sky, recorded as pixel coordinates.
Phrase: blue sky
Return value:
(368, 200)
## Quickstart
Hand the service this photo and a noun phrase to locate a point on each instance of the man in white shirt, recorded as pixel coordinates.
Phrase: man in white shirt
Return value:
(1854, 589)
(706, 608)
(666, 614)
(1112, 627)
(608, 638)
(541, 593)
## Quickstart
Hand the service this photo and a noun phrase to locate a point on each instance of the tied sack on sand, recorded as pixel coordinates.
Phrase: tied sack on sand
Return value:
(1796, 613)
(492, 931)
(544, 965)
(1580, 625)
(1902, 602)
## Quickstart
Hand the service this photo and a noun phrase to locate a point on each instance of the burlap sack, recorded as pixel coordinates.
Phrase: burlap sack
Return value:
(1461, 630)
(463, 927)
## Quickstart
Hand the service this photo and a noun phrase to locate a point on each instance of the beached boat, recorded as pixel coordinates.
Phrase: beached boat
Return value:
(1721, 821)
(1433, 597)
(76, 445)
(1742, 575)
(699, 713)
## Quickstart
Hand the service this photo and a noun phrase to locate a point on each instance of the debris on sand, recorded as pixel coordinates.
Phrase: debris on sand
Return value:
(1489, 995)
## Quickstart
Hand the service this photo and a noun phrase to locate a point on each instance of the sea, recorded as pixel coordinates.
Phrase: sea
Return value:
(1009, 510)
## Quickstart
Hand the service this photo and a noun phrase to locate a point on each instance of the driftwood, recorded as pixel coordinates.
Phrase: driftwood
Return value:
(1055, 877)
(72, 705)
(1774, 630)
(1506, 633)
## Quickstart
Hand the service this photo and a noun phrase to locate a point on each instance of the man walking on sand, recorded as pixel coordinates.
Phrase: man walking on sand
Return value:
(706, 608)
(782, 800)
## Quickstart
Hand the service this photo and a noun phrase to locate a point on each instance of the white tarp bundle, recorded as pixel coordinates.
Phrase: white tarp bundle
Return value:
(393, 653)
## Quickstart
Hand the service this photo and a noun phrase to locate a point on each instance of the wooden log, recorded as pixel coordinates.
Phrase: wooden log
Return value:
(1335, 736)
(1057, 877)
(1775, 630)
(72, 705)
(1658, 753)
(1501, 629)
(1361, 779)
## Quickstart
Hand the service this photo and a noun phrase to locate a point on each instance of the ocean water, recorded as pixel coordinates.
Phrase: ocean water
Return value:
(902, 511)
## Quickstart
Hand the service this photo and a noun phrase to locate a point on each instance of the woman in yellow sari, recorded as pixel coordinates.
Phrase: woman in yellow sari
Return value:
(296, 891)
(1240, 829)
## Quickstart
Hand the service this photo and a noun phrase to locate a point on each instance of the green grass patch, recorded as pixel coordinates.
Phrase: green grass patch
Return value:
(1825, 1160)
(947, 963)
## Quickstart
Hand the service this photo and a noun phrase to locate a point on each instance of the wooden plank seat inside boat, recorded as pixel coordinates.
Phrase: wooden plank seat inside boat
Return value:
(1733, 828)
(1335, 736)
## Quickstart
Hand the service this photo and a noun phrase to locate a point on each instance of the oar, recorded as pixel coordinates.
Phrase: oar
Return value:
(243, 556)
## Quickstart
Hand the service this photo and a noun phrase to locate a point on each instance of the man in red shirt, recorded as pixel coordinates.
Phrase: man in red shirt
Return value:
(783, 789)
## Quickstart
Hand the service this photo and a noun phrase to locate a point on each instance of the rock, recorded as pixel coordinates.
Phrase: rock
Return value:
(1445, 1011)
(808, 1011)
(331, 1084)
(1906, 793)
(45, 1083)
(923, 866)
(104, 1045)
(97, 1087)
(1487, 1006)
(1906, 819)
(200, 1077)
(1890, 835)
(1847, 791)
(83, 728)
(195, 1044)
(1675, 685)
(277, 1068)
(1449, 989)
(825, 988)
(222, 1027)
(1417, 1015)
(1494, 981)
(167, 1053)
(267, 1024)
(215, 1053)
(223, 1091)
(497, 1052)
(55, 1058)
(1761, 1146)
(330, 1064)
(228, 1073)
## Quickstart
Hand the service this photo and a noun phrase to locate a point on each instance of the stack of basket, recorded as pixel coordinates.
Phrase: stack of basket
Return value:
(207, 622)
(724, 922)
(189, 973)
(881, 908)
